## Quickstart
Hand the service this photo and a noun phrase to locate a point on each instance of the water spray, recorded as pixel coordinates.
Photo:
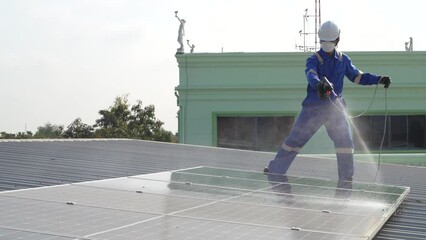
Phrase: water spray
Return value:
(342, 109)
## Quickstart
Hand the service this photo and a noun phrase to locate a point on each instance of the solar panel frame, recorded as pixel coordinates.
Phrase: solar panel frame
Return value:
(205, 195)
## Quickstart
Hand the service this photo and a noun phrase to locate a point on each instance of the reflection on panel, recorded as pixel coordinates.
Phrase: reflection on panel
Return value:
(201, 203)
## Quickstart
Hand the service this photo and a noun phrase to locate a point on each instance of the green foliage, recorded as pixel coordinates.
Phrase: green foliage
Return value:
(49, 131)
(24, 135)
(5, 135)
(78, 129)
(19, 135)
(143, 124)
(113, 122)
(124, 121)
(118, 121)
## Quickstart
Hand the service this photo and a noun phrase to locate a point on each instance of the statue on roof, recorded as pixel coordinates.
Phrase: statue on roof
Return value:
(409, 45)
(192, 46)
(181, 33)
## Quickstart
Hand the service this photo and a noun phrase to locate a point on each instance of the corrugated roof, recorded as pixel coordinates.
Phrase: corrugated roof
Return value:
(25, 164)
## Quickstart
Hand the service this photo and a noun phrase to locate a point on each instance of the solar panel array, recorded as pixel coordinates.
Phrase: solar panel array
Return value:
(200, 203)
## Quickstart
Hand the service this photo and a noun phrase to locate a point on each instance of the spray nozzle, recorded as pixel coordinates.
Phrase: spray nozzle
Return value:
(325, 88)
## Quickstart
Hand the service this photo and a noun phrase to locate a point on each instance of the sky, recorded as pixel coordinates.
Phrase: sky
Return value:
(67, 59)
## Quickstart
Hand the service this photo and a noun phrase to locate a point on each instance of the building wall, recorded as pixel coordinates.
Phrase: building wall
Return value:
(274, 84)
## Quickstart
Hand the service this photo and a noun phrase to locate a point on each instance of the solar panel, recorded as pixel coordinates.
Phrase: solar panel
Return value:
(200, 203)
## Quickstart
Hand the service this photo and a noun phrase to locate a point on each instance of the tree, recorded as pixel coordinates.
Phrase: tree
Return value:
(78, 129)
(5, 135)
(124, 121)
(19, 135)
(143, 122)
(114, 121)
(118, 121)
(49, 131)
(166, 136)
(24, 135)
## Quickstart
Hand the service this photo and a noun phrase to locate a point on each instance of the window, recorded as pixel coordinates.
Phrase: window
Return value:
(254, 133)
(416, 130)
(267, 133)
(402, 132)
(398, 132)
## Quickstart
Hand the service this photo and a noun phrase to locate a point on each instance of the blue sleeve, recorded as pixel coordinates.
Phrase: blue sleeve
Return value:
(357, 76)
(369, 79)
(311, 71)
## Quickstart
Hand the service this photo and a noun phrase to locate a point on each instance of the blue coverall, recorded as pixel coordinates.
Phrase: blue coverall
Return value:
(316, 112)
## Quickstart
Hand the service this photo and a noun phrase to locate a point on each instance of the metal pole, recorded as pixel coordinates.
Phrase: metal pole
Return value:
(316, 23)
(304, 34)
(319, 12)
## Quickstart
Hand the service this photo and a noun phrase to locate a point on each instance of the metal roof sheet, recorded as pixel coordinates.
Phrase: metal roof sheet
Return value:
(33, 163)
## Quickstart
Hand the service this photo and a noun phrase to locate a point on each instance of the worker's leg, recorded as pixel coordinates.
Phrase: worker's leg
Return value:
(338, 129)
(309, 121)
(279, 183)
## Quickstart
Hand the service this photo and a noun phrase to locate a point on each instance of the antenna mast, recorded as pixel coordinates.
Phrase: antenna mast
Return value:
(317, 20)
(317, 16)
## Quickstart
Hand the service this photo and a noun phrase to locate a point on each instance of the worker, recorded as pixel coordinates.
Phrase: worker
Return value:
(325, 105)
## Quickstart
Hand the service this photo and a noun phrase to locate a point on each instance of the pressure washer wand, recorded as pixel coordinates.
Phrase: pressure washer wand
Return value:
(330, 91)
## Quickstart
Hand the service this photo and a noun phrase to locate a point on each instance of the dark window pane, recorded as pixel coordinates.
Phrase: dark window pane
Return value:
(398, 132)
(377, 129)
(416, 132)
(255, 133)
(283, 126)
(236, 132)
(271, 131)
(226, 131)
(246, 132)
(266, 131)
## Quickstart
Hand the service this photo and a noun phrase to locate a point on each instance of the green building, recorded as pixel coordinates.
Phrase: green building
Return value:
(250, 101)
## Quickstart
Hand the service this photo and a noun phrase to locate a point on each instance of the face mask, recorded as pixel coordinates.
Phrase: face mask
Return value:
(328, 46)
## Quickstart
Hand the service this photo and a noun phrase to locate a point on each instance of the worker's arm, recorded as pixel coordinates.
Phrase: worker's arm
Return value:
(357, 76)
(311, 71)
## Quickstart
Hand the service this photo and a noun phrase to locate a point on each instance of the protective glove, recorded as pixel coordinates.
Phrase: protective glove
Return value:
(324, 88)
(385, 80)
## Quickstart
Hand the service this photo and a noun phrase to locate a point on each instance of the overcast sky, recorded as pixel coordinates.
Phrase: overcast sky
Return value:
(63, 59)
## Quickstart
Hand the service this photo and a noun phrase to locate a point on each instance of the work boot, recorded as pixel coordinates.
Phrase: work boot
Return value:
(344, 189)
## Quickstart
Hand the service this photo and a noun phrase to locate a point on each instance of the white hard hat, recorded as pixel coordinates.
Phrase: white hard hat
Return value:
(328, 31)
